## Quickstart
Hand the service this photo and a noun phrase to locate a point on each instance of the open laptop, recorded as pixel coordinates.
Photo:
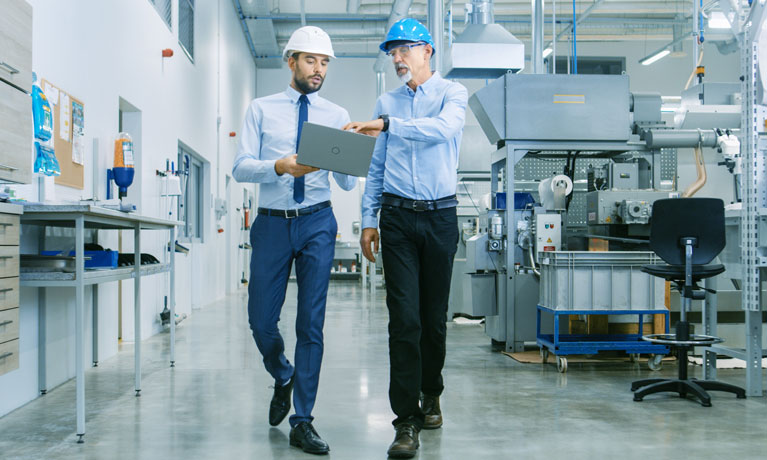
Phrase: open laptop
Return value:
(335, 149)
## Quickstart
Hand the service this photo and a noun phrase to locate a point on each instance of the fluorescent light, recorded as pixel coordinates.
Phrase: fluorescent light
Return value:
(547, 52)
(655, 57)
(717, 20)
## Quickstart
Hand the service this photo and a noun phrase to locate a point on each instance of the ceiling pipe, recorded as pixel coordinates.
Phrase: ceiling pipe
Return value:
(399, 10)
(578, 21)
(537, 28)
(436, 19)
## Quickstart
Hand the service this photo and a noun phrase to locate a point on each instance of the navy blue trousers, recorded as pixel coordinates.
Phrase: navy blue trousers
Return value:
(278, 242)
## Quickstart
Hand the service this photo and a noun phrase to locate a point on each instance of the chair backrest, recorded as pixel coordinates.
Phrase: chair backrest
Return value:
(676, 218)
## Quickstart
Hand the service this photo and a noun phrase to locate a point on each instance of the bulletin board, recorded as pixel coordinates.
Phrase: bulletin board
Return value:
(68, 126)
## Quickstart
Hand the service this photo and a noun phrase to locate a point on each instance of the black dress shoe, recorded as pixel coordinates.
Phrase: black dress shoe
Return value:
(305, 436)
(431, 411)
(280, 405)
(405, 443)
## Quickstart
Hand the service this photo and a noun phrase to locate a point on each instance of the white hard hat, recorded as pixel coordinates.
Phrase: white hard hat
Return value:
(308, 39)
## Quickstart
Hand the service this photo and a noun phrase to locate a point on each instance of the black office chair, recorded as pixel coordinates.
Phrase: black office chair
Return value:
(687, 233)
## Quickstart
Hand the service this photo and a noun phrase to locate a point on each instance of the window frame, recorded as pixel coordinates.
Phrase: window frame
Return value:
(192, 6)
(169, 21)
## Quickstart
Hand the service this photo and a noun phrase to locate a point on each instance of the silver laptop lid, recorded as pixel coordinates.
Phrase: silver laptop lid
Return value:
(335, 150)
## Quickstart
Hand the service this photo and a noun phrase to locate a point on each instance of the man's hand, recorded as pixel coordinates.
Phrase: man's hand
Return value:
(371, 128)
(369, 235)
(289, 165)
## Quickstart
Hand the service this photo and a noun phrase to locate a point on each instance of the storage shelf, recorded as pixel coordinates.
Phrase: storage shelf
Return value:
(63, 279)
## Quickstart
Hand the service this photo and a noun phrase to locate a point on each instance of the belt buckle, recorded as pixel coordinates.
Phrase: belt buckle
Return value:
(420, 206)
(291, 213)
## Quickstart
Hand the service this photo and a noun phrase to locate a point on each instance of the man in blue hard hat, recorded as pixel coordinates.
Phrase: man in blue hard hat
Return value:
(412, 181)
(295, 223)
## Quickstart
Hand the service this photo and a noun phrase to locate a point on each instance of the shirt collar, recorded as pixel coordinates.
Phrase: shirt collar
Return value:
(293, 95)
(427, 86)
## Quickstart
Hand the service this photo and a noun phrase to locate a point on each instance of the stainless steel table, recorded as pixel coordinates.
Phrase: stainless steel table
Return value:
(81, 217)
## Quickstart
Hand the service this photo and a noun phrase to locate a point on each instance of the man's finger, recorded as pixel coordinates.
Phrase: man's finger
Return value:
(375, 242)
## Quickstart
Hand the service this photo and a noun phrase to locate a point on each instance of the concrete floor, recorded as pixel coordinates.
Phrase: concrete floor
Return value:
(214, 403)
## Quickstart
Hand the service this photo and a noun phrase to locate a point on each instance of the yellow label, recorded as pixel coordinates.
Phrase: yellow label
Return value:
(569, 98)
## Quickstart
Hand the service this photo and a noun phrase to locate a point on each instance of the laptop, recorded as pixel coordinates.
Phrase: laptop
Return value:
(335, 149)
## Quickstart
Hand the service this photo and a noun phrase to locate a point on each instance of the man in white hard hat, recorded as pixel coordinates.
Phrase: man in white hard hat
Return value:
(412, 181)
(295, 223)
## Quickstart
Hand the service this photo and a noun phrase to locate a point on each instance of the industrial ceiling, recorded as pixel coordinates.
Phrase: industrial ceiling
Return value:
(357, 26)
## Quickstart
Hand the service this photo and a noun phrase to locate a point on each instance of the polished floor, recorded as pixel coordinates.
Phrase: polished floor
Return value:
(213, 404)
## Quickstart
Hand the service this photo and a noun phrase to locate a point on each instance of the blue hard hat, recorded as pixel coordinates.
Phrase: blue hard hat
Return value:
(409, 30)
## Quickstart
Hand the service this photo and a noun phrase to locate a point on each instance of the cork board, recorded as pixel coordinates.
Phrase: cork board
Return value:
(72, 173)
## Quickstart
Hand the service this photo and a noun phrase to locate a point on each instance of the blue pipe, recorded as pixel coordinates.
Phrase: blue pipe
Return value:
(575, 42)
(245, 29)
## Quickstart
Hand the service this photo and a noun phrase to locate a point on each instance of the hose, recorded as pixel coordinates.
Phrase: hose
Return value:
(532, 261)
(700, 168)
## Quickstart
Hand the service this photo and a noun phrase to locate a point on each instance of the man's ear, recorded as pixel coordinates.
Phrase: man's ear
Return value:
(292, 63)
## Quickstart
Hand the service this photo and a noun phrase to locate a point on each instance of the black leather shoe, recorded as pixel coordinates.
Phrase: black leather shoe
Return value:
(280, 405)
(305, 436)
(431, 411)
(405, 443)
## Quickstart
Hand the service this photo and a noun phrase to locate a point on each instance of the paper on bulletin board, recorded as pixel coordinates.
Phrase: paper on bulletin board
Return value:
(52, 93)
(78, 133)
(65, 117)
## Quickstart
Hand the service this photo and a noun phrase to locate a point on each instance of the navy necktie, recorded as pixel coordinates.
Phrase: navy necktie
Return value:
(303, 115)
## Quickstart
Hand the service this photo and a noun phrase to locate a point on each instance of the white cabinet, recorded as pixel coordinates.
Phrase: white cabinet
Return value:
(16, 43)
(15, 85)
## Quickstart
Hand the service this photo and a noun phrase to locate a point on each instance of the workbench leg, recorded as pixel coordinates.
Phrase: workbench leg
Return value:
(42, 383)
(95, 306)
(172, 296)
(709, 328)
(41, 342)
(137, 305)
(80, 324)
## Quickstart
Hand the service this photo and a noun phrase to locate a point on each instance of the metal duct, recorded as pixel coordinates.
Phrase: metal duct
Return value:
(484, 50)
(537, 27)
(268, 53)
(436, 19)
(399, 10)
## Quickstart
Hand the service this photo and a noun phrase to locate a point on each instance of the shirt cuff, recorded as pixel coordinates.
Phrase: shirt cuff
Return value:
(394, 126)
(369, 222)
(271, 173)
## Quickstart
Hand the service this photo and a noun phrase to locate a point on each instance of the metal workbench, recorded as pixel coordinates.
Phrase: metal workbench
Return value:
(81, 217)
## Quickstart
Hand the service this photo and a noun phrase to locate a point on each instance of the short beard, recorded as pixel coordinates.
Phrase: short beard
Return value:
(406, 77)
(303, 86)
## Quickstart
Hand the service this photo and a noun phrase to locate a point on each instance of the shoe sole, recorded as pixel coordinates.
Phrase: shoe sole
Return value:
(432, 427)
(309, 451)
(402, 453)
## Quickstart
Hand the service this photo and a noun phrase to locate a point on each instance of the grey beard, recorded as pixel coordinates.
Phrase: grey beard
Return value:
(406, 77)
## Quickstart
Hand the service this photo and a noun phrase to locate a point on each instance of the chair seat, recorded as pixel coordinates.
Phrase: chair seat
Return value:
(676, 272)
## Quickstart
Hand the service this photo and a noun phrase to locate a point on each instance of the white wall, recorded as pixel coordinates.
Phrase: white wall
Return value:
(100, 52)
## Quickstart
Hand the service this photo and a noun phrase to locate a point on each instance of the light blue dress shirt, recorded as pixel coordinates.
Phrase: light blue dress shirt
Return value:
(269, 133)
(417, 157)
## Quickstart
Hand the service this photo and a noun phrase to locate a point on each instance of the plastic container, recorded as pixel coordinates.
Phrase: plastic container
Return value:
(123, 151)
(582, 280)
(94, 259)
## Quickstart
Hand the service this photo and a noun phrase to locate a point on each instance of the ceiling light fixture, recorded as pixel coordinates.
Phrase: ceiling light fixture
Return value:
(658, 55)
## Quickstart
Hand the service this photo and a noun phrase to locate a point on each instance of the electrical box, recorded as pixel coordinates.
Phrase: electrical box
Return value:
(548, 231)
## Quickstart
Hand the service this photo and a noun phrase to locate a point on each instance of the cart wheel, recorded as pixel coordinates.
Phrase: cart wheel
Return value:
(544, 355)
(561, 364)
(634, 357)
(655, 363)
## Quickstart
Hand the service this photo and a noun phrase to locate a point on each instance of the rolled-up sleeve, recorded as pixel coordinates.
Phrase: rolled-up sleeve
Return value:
(248, 165)
(435, 130)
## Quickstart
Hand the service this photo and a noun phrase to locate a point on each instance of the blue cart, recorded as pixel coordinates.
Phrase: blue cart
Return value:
(562, 345)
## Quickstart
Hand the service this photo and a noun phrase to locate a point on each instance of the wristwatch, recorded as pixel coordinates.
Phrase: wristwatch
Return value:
(385, 119)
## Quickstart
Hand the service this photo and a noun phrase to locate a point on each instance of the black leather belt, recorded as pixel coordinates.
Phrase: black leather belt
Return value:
(419, 205)
(292, 213)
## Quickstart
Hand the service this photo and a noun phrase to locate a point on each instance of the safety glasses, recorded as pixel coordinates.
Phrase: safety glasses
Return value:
(403, 50)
